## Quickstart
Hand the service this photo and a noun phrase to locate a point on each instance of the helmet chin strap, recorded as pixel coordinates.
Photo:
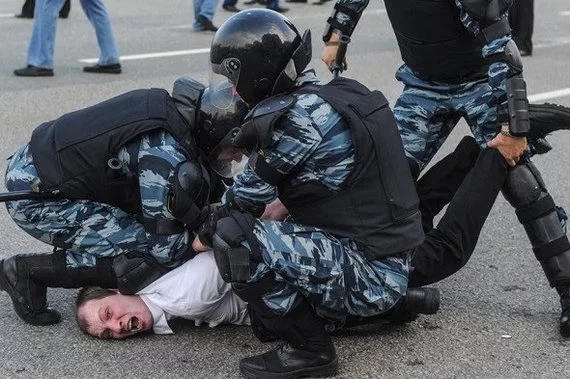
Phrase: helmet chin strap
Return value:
(298, 62)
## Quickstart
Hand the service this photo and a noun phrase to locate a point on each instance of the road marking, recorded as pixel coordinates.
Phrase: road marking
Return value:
(565, 13)
(7, 15)
(549, 95)
(153, 55)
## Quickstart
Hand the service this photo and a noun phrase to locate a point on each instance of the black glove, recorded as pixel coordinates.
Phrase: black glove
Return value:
(208, 228)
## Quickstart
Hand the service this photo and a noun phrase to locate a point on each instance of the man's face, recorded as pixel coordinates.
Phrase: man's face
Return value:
(116, 316)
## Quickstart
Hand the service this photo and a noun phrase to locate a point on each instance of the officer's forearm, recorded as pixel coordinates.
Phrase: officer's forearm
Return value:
(508, 85)
(344, 18)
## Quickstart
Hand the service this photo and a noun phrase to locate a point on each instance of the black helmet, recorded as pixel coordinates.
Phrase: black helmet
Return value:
(216, 126)
(260, 52)
(213, 122)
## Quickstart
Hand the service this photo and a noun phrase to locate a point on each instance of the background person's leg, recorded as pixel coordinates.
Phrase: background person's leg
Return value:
(64, 11)
(41, 48)
(97, 14)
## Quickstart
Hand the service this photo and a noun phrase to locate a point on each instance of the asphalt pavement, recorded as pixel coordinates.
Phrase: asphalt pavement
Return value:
(498, 319)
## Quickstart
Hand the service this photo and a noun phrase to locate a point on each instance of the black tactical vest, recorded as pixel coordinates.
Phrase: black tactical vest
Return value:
(433, 41)
(377, 206)
(76, 154)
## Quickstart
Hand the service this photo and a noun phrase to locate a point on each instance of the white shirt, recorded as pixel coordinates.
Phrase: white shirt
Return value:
(194, 291)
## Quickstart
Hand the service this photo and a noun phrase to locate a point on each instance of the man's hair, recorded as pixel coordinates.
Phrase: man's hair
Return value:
(86, 294)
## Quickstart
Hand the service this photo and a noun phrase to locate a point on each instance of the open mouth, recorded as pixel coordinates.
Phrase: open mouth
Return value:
(134, 324)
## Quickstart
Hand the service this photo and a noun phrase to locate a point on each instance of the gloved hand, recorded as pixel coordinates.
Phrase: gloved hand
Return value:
(208, 228)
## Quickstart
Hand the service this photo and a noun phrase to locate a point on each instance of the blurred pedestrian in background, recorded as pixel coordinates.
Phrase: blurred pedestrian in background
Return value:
(40, 50)
(521, 18)
(204, 11)
(29, 5)
(230, 6)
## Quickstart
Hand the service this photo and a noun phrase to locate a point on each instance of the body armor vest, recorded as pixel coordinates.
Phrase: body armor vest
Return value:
(433, 42)
(377, 206)
(76, 154)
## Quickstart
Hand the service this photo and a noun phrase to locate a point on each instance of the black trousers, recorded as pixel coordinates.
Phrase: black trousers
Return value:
(521, 18)
(29, 5)
(448, 247)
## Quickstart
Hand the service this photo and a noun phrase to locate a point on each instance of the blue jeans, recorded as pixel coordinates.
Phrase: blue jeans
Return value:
(205, 8)
(40, 51)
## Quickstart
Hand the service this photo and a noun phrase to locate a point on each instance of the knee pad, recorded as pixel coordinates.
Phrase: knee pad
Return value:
(230, 251)
(538, 214)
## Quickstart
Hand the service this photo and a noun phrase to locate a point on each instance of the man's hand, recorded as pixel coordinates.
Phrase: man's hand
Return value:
(275, 211)
(198, 246)
(511, 148)
(329, 52)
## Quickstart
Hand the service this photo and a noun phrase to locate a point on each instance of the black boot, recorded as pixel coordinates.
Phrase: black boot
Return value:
(308, 350)
(564, 292)
(28, 296)
(26, 278)
(417, 301)
(58, 275)
(545, 119)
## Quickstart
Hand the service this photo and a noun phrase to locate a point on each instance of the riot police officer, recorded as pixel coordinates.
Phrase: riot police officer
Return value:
(462, 51)
(355, 219)
(118, 190)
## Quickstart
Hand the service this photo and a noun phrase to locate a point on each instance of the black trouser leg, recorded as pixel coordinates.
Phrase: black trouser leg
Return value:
(521, 18)
(65, 9)
(438, 185)
(449, 246)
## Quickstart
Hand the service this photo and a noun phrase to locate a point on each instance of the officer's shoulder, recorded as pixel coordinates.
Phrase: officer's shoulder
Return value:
(273, 104)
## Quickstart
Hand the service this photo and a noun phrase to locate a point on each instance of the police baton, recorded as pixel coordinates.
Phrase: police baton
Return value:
(26, 195)
(338, 65)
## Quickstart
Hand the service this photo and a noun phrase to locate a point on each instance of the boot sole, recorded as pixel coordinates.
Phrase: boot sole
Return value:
(330, 369)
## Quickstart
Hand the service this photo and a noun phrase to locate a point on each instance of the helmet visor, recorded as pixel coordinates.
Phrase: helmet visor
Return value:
(225, 159)
(223, 82)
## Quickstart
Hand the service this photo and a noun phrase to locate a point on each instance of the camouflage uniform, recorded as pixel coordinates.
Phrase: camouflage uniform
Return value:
(427, 111)
(313, 142)
(88, 229)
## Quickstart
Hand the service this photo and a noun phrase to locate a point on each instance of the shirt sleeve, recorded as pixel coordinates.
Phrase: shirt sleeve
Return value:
(157, 159)
(295, 137)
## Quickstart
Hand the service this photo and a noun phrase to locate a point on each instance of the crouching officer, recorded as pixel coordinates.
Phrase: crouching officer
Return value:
(353, 202)
(118, 187)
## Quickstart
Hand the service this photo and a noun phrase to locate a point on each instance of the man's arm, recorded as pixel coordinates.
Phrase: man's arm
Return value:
(343, 21)
(487, 19)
